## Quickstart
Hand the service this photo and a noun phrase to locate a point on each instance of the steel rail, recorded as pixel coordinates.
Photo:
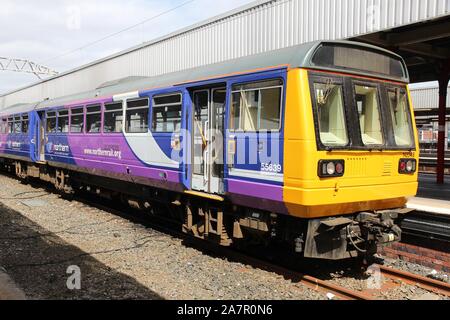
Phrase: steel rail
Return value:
(436, 286)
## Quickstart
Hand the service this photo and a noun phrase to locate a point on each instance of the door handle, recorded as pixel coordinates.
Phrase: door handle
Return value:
(260, 146)
(206, 131)
(231, 152)
(206, 164)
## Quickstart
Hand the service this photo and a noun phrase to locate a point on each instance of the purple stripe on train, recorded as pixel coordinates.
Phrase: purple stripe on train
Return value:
(257, 195)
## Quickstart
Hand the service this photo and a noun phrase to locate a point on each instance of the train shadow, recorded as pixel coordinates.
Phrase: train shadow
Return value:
(276, 257)
(38, 262)
(285, 263)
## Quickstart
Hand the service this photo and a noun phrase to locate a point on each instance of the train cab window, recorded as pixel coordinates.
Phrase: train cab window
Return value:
(167, 113)
(369, 115)
(17, 124)
(63, 121)
(137, 116)
(51, 122)
(10, 125)
(77, 120)
(94, 119)
(401, 117)
(331, 114)
(113, 118)
(257, 106)
(25, 123)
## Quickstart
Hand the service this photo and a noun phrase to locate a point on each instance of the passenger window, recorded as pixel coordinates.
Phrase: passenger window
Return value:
(25, 123)
(167, 113)
(331, 114)
(10, 125)
(257, 106)
(51, 122)
(137, 116)
(93, 119)
(369, 115)
(17, 124)
(4, 126)
(400, 114)
(113, 119)
(77, 120)
(63, 121)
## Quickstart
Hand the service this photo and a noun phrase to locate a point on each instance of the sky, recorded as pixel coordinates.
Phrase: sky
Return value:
(44, 31)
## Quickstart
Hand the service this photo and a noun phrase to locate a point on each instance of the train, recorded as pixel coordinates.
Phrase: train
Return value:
(311, 148)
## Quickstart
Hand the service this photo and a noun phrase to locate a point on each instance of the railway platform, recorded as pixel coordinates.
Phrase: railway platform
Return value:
(431, 197)
(431, 218)
(428, 189)
(434, 206)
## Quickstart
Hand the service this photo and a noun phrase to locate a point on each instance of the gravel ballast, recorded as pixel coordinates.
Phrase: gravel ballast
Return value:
(44, 238)
(42, 235)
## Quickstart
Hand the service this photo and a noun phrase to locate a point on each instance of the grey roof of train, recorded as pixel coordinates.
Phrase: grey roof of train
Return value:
(296, 57)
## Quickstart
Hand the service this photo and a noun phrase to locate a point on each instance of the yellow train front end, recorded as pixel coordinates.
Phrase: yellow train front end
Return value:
(351, 159)
(371, 180)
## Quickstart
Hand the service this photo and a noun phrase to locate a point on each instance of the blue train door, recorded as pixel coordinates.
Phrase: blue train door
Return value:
(208, 141)
(40, 136)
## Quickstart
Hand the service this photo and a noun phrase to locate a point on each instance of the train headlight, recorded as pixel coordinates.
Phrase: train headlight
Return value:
(407, 166)
(331, 168)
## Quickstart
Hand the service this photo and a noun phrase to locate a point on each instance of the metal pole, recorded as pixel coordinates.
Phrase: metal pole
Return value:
(447, 128)
(443, 85)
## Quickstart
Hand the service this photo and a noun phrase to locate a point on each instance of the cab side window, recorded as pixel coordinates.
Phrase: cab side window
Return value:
(257, 106)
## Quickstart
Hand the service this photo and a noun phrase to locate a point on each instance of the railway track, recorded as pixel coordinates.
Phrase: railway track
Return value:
(435, 286)
(296, 277)
(325, 286)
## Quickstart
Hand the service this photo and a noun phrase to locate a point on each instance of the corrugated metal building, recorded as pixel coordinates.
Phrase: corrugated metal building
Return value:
(427, 98)
(261, 26)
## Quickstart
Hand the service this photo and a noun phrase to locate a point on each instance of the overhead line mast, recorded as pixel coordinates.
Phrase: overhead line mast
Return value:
(25, 66)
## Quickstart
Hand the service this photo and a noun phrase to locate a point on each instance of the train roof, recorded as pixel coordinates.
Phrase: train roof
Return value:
(18, 108)
(300, 56)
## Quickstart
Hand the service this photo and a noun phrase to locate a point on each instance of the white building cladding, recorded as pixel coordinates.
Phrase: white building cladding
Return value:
(427, 98)
(261, 26)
